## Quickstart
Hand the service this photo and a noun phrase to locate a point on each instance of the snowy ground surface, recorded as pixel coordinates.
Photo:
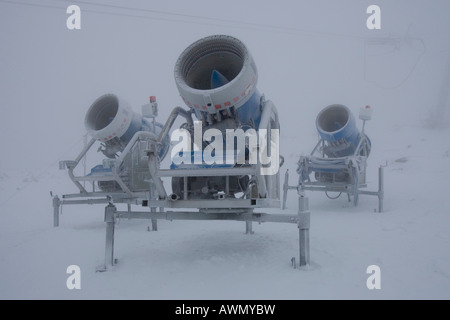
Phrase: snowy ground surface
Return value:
(64, 72)
(217, 260)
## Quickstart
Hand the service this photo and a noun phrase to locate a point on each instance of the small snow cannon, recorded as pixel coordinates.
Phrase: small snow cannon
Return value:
(339, 160)
(111, 121)
(123, 136)
(339, 135)
(224, 155)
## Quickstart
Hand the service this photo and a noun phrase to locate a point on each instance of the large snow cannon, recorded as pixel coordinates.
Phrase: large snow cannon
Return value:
(336, 125)
(216, 76)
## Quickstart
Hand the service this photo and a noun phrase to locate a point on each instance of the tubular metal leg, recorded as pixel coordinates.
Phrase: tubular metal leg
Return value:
(304, 247)
(356, 198)
(248, 227)
(154, 225)
(285, 189)
(110, 213)
(356, 188)
(56, 207)
(154, 221)
(304, 221)
(380, 188)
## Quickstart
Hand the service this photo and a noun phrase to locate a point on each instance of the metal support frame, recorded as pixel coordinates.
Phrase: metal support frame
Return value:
(114, 175)
(353, 165)
(302, 219)
(223, 208)
(338, 187)
(380, 192)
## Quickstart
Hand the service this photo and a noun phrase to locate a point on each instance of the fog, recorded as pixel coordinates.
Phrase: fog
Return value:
(309, 54)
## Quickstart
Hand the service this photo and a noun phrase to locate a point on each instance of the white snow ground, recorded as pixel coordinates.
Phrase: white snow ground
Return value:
(217, 260)
(410, 241)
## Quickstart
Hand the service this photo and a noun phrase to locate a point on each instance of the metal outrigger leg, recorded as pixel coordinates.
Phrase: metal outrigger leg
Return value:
(110, 219)
(302, 219)
(248, 227)
(380, 192)
(56, 210)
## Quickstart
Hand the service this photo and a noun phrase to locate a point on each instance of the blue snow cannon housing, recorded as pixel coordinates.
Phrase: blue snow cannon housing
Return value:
(336, 125)
(112, 121)
(216, 77)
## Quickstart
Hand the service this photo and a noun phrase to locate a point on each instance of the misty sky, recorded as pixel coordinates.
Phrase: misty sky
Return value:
(309, 54)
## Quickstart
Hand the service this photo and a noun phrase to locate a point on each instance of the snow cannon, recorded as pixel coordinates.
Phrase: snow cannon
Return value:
(124, 136)
(112, 121)
(338, 162)
(337, 128)
(216, 77)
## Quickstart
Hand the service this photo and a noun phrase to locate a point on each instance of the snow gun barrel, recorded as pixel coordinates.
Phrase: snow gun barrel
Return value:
(110, 117)
(217, 75)
(112, 121)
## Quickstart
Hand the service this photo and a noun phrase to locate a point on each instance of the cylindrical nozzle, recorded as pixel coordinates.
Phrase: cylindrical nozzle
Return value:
(173, 197)
(110, 117)
(336, 125)
(216, 73)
